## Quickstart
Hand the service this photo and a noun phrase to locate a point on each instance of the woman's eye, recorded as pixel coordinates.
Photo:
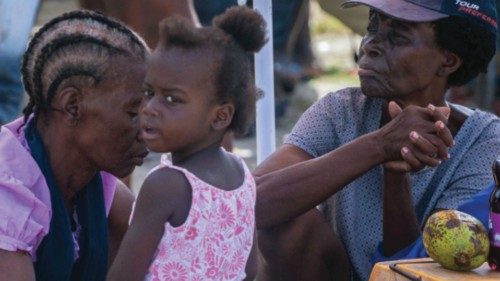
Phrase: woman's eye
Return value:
(371, 28)
(397, 38)
(169, 98)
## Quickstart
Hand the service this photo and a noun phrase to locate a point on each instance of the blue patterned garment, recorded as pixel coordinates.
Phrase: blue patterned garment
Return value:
(355, 212)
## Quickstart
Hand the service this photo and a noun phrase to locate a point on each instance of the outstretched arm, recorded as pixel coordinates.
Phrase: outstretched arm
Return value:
(285, 193)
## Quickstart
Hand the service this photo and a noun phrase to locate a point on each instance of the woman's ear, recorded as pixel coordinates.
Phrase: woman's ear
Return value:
(450, 64)
(223, 116)
(68, 102)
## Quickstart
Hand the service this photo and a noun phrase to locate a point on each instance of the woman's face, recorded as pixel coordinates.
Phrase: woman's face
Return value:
(109, 128)
(399, 60)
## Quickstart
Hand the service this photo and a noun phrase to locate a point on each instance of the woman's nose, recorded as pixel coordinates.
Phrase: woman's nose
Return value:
(371, 45)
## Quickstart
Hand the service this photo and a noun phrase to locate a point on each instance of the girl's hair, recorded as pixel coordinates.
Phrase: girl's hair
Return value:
(77, 46)
(235, 34)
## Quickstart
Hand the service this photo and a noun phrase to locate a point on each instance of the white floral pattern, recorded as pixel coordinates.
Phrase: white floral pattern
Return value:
(215, 241)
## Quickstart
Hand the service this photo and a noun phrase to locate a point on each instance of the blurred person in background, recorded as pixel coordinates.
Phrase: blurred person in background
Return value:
(16, 22)
(143, 16)
(294, 61)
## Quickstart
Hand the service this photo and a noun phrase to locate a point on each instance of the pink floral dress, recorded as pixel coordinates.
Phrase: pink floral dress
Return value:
(215, 241)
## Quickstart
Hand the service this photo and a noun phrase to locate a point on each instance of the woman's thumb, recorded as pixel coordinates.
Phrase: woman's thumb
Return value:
(394, 109)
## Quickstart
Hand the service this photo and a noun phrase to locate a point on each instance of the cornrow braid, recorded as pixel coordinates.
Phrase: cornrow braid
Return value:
(74, 15)
(79, 43)
(51, 48)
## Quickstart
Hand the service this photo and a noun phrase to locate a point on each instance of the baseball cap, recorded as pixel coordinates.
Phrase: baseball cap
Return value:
(482, 12)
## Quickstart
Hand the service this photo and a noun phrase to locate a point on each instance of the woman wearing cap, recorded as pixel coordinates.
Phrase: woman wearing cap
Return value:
(340, 155)
(62, 212)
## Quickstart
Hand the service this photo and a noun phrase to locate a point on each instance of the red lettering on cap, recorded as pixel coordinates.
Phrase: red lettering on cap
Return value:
(479, 15)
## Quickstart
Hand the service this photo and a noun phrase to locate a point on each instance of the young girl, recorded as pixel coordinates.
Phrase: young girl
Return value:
(194, 217)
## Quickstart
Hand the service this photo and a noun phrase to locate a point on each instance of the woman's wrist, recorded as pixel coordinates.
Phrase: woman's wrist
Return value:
(377, 146)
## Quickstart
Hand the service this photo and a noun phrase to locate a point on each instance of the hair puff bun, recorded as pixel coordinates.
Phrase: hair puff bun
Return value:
(245, 25)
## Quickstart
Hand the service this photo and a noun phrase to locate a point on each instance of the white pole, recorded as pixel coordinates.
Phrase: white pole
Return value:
(264, 79)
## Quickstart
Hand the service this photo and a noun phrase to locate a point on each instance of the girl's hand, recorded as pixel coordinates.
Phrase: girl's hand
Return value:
(424, 145)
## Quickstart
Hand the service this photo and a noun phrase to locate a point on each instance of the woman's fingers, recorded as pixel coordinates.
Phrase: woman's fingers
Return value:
(429, 137)
(413, 160)
(439, 113)
(444, 133)
(440, 116)
(423, 144)
(410, 158)
(426, 160)
(394, 109)
(417, 160)
(438, 143)
(398, 166)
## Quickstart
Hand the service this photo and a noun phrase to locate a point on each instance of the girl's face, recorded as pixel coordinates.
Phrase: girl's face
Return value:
(179, 100)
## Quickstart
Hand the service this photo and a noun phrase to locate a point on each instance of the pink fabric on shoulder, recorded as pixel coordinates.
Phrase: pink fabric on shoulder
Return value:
(215, 241)
(25, 208)
(108, 188)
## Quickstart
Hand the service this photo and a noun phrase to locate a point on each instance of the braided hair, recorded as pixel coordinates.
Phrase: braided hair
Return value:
(235, 35)
(78, 44)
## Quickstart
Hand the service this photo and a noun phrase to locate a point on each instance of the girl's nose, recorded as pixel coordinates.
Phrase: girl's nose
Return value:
(148, 107)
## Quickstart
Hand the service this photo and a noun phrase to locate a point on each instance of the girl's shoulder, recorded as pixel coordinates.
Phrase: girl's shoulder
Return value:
(165, 182)
(164, 194)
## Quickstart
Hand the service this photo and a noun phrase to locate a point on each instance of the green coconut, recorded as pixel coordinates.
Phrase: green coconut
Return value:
(456, 240)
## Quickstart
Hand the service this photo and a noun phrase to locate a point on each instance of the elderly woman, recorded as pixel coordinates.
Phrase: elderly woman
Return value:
(339, 153)
(60, 200)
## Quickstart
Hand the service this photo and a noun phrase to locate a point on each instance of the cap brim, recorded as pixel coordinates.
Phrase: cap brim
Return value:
(399, 9)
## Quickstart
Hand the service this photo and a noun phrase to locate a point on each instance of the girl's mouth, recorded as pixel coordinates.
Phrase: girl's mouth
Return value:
(149, 133)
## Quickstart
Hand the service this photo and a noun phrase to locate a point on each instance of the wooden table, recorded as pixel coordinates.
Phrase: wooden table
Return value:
(428, 270)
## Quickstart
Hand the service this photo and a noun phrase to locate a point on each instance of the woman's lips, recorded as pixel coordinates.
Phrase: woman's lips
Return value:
(366, 72)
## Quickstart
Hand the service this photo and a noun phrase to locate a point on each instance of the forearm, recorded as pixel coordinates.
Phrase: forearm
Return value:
(400, 224)
(118, 218)
(16, 266)
(286, 193)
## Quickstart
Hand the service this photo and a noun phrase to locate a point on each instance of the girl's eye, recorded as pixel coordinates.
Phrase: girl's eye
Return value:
(148, 93)
(172, 99)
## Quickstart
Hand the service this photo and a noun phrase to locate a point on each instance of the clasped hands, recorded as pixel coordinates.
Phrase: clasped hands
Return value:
(416, 137)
